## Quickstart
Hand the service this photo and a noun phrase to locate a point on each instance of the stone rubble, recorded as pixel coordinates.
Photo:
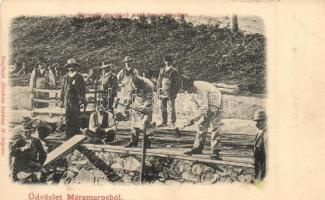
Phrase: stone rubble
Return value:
(121, 168)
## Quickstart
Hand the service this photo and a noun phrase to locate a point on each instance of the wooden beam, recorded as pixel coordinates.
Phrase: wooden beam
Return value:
(171, 153)
(64, 148)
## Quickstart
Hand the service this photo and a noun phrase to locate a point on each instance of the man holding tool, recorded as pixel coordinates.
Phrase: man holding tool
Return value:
(140, 104)
(208, 100)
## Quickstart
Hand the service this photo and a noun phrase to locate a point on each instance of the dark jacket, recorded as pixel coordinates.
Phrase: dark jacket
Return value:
(110, 84)
(35, 154)
(79, 92)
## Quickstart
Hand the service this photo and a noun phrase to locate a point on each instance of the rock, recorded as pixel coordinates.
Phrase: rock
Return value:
(245, 178)
(131, 164)
(198, 169)
(238, 169)
(162, 179)
(249, 170)
(190, 177)
(70, 174)
(84, 176)
(79, 162)
(208, 177)
(181, 167)
(224, 172)
(127, 179)
(117, 165)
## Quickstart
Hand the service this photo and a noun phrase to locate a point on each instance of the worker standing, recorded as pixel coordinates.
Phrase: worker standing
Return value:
(41, 78)
(260, 147)
(73, 94)
(124, 78)
(109, 84)
(168, 85)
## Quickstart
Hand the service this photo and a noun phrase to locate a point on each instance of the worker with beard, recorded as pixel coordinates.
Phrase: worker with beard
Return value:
(73, 94)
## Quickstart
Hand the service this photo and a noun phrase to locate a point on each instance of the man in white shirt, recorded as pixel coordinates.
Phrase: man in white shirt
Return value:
(208, 101)
(124, 78)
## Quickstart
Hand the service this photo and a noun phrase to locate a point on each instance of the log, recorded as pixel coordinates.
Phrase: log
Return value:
(226, 86)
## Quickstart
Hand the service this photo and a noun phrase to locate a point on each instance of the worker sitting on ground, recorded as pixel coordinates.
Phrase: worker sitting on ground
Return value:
(101, 123)
(207, 98)
(27, 156)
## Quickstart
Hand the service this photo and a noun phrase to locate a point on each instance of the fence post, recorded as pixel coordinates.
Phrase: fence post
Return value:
(235, 23)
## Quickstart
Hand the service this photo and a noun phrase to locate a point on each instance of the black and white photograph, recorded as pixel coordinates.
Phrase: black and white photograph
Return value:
(132, 98)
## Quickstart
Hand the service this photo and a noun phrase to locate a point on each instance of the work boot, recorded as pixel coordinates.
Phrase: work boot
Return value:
(215, 155)
(130, 144)
(162, 125)
(172, 125)
(193, 151)
(133, 143)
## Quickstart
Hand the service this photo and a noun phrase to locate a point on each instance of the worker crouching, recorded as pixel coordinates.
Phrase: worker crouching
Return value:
(27, 156)
(101, 123)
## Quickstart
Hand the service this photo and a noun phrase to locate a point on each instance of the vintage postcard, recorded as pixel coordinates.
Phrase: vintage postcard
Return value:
(156, 100)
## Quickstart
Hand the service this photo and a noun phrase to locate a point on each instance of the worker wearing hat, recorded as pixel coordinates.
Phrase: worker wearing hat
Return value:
(260, 147)
(26, 153)
(124, 78)
(41, 78)
(101, 123)
(168, 85)
(109, 84)
(73, 94)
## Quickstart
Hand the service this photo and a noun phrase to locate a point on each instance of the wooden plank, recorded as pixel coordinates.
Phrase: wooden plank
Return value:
(45, 100)
(64, 148)
(46, 90)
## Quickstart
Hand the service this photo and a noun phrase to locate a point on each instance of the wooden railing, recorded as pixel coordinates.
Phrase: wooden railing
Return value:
(53, 102)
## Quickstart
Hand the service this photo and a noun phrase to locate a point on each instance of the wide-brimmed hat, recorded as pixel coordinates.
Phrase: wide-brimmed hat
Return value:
(128, 59)
(40, 61)
(105, 65)
(70, 62)
(259, 115)
(27, 126)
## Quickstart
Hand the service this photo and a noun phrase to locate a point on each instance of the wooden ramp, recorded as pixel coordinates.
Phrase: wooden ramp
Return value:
(64, 148)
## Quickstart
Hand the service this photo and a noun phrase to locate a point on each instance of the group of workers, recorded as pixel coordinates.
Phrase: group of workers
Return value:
(137, 97)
